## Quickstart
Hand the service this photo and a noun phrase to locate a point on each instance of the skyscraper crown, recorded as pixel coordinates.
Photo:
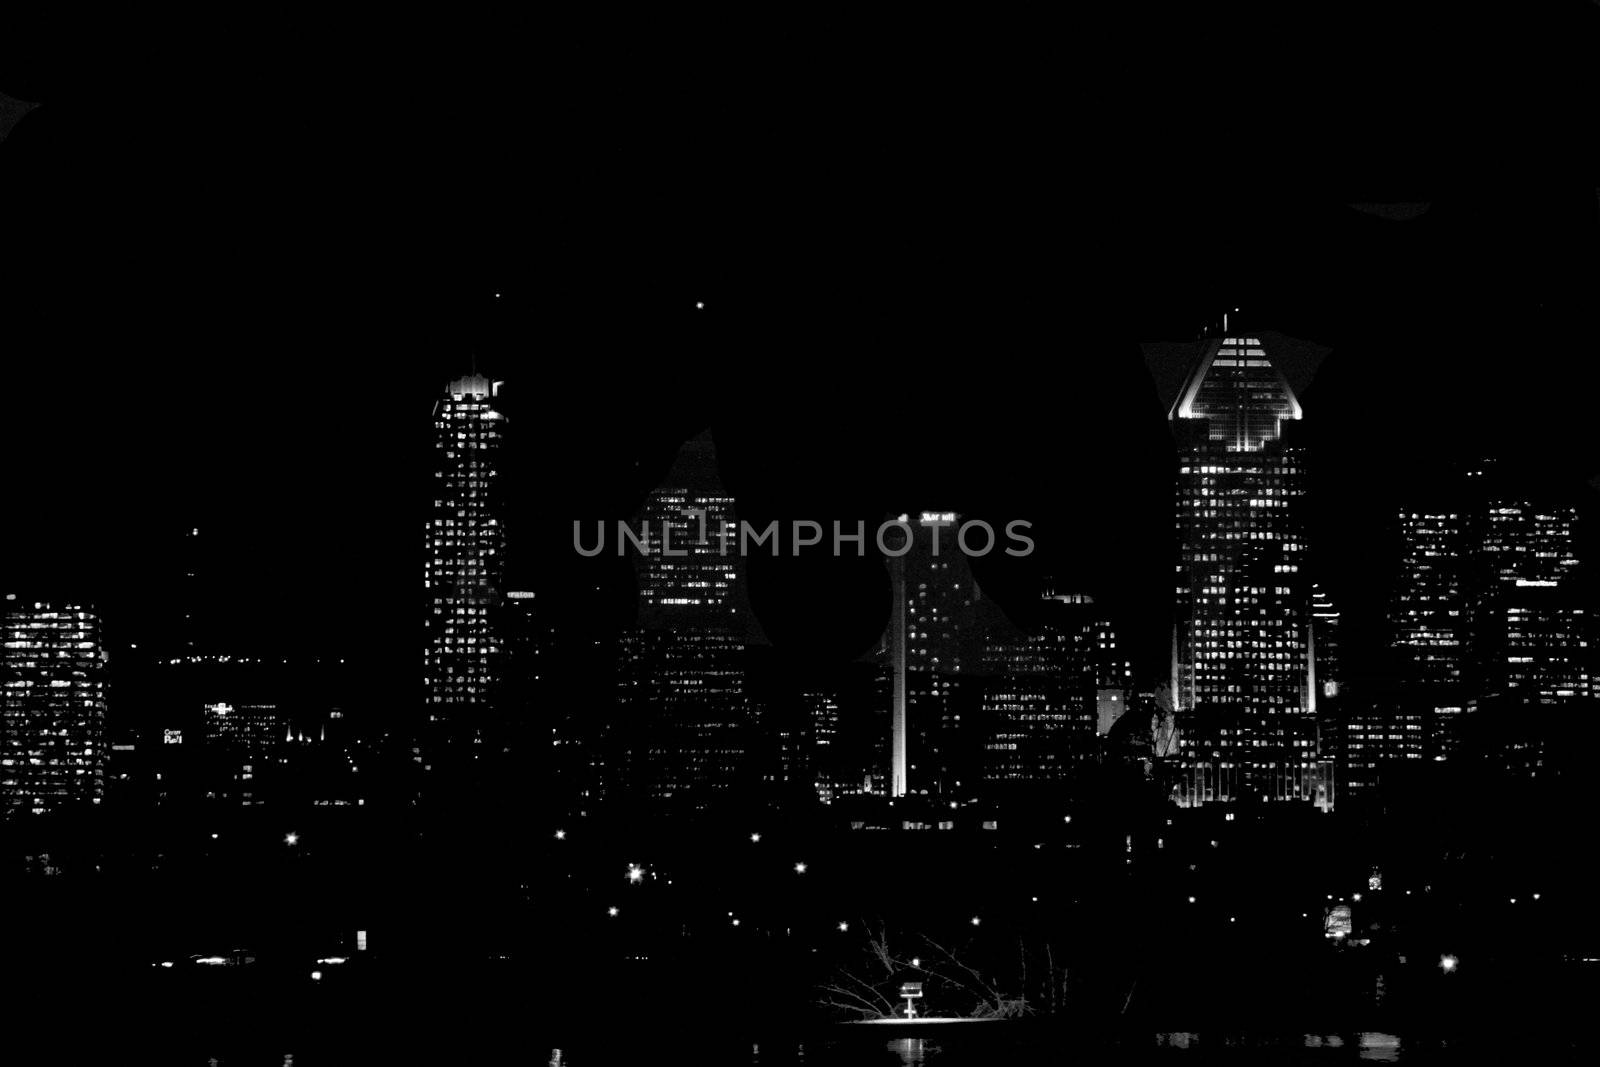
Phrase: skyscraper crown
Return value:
(1239, 392)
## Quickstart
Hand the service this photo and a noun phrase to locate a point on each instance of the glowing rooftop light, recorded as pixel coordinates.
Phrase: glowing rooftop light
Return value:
(844, 927)
(635, 873)
(1447, 963)
(561, 835)
(976, 920)
(755, 839)
(612, 911)
(800, 868)
(291, 839)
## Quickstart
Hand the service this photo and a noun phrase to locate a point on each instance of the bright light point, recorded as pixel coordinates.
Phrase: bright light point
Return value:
(1232, 919)
(755, 839)
(291, 839)
(213, 837)
(736, 922)
(1356, 897)
(561, 835)
(1536, 896)
(1513, 900)
(799, 868)
(1447, 963)
(1191, 900)
(916, 961)
(1066, 818)
(316, 976)
(976, 920)
(497, 296)
(699, 303)
(635, 873)
(843, 927)
(1036, 900)
(166, 963)
(612, 911)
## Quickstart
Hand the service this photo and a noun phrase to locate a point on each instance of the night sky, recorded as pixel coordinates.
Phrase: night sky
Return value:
(232, 310)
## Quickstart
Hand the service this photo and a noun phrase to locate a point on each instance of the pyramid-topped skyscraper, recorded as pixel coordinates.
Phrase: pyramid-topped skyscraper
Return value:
(1242, 671)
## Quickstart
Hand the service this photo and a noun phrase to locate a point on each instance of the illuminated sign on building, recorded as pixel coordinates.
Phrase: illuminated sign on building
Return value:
(172, 737)
(1338, 923)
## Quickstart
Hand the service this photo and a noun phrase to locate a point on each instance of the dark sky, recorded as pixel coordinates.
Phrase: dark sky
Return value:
(231, 309)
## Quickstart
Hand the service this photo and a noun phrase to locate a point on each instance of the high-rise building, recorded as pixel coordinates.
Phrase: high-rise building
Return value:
(1430, 625)
(1533, 660)
(681, 729)
(1050, 694)
(52, 706)
(464, 562)
(931, 624)
(1242, 657)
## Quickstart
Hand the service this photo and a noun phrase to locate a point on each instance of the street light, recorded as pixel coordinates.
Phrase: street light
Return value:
(843, 927)
(612, 911)
(1447, 963)
(635, 873)
(561, 835)
(755, 839)
(291, 839)
(800, 868)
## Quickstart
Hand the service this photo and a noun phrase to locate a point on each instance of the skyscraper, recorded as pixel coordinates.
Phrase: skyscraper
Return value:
(1430, 621)
(681, 728)
(1533, 659)
(1242, 663)
(52, 707)
(930, 623)
(464, 561)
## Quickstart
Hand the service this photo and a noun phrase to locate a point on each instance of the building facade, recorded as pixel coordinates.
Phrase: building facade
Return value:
(1242, 673)
(464, 562)
(53, 747)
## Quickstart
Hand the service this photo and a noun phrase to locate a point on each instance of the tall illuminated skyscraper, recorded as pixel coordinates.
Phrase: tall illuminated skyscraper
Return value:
(1242, 655)
(464, 561)
(52, 707)
(930, 622)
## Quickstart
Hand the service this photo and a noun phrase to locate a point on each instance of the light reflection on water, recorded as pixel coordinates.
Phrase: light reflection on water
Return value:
(1369, 1047)
(941, 1051)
